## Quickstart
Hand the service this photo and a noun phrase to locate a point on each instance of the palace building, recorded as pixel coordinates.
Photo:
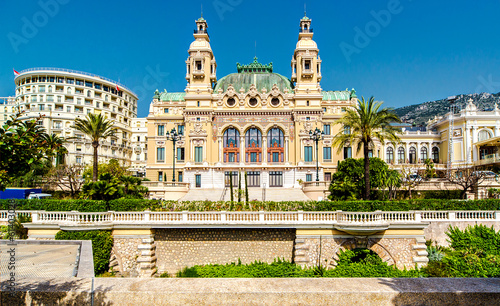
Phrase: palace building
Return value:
(259, 122)
(253, 120)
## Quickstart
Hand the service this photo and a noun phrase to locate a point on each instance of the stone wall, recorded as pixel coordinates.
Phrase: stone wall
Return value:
(402, 252)
(253, 291)
(126, 252)
(436, 231)
(178, 248)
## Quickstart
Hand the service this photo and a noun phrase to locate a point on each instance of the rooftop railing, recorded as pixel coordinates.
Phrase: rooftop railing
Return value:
(76, 72)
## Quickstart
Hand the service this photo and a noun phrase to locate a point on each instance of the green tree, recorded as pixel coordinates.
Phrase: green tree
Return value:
(112, 167)
(361, 126)
(349, 180)
(22, 148)
(96, 127)
(55, 147)
(430, 171)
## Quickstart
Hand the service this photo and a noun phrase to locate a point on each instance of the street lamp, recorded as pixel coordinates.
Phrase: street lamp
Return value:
(316, 135)
(174, 137)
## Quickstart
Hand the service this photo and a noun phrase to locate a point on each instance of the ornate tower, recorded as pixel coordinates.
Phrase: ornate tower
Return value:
(306, 67)
(200, 68)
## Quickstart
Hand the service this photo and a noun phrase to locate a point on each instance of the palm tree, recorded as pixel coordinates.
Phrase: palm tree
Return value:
(361, 125)
(55, 146)
(96, 127)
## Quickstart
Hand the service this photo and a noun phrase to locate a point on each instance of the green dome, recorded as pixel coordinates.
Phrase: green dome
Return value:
(260, 80)
(260, 75)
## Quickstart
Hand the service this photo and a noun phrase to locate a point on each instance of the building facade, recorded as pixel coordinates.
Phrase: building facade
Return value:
(253, 120)
(60, 96)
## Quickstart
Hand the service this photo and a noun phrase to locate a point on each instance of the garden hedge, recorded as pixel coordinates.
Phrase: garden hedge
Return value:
(155, 205)
(102, 243)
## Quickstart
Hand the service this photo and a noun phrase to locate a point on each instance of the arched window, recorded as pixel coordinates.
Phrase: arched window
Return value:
(401, 155)
(423, 154)
(89, 94)
(68, 90)
(253, 144)
(231, 144)
(275, 145)
(484, 134)
(413, 155)
(389, 155)
(435, 155)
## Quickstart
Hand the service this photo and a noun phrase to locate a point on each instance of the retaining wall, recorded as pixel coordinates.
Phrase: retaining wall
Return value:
(251, 291)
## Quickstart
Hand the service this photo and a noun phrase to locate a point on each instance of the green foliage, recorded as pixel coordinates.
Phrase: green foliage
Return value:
(102, 243)
(434, 254)
(20, 232)
(157, 205)
(348, 182)
(112, 167)
(84, 205)
(474, 252)
(164, 275)
(361, 125)
(96, 127)
(110, 187)
(24, 147)
(355, 263)
(430, 172)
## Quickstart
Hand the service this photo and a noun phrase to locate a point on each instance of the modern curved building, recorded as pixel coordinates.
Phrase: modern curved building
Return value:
(61, 95)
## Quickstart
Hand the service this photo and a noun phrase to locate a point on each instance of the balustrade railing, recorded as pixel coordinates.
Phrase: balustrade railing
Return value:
(250, 217)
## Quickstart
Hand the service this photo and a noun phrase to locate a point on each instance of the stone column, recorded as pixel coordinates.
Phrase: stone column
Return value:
(286, 149)
(468, 146)
(242, 149)
(220, 149)
(264, 149)
(474, 140)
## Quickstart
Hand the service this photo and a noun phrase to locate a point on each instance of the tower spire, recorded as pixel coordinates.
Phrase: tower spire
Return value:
(305, 10)
(202, 10)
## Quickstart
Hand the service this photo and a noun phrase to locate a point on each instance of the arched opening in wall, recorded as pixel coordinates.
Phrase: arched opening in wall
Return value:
(435, 155)
(390, 155)
(413, 155)
(358, 250)
(275, 101)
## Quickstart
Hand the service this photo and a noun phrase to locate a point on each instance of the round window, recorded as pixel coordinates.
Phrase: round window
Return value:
(252, 101)
(275, 101)
(231, 102)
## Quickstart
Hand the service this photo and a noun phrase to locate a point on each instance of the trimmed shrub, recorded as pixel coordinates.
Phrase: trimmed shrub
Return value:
(157, 205)
(355, 263)
(102, 243)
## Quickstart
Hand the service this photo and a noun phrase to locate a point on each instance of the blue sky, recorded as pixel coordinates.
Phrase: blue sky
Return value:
(402, 52)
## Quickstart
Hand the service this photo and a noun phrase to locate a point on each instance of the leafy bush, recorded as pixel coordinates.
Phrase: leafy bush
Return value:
(156, 205)
(474, 252)
(102, 243)
(355, 263)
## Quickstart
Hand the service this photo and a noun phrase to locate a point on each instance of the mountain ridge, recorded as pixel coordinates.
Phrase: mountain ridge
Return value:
(419, 114)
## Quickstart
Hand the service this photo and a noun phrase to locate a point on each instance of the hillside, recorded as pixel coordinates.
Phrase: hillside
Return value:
(421, 113)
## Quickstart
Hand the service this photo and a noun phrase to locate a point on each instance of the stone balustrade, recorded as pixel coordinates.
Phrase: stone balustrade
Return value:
(250, 217)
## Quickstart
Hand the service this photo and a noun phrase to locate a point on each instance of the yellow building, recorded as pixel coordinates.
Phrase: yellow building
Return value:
(253, 120)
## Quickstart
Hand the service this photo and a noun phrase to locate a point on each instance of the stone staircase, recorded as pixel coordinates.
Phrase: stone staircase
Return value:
(202, 194)
(273, 194)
